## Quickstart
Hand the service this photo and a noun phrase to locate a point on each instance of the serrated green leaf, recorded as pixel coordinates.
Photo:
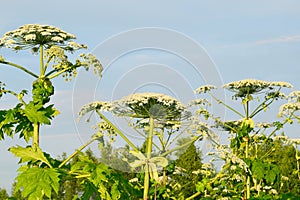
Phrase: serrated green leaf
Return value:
(115, 193)
(36, 114)
(36, 182)
(200, 187)
(89, 191)
(29, 154)
(258, 169)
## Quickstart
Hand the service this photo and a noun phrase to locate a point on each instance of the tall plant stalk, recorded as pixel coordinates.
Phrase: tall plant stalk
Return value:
(246, 151)
(36, 126)
(149, 150)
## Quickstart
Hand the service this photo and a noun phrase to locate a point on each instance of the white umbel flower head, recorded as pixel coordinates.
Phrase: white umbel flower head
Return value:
(97, 105)
(246, 87)
(32, 36)
(160, 107)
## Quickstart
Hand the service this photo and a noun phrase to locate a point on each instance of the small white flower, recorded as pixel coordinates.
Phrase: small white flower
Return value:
(30, 37)
(44, 33)
(134, 180)
(57, 39)
(267, 187)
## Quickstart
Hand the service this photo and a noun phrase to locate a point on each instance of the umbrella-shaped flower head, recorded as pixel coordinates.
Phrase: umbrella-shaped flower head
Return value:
(160, 107)
(32, 36)
(246, 87)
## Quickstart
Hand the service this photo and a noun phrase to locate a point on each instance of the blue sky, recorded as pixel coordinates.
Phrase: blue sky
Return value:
(239, 39)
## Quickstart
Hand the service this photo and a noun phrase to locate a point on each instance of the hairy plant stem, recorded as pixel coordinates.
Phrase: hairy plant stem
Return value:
(148, 152)
(246, 152)
(118, 131)
(227, 106)
(77, 151)
(35, 138)
(42, 70)
(21, 68)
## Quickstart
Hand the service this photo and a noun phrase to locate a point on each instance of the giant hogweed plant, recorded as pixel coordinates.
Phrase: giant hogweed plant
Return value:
(51, 44)
(247, 166)
(42, 175)
(158, 118)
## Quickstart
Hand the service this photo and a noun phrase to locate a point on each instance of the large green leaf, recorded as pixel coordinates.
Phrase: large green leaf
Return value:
(29, 154)
(36, 182)
(258, 169)
(36, 114)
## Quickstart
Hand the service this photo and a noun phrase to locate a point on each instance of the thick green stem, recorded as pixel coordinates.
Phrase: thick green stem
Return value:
(42, 70)
(148, 152)
(35, 138)
(247, 109)
(77, 151)
(193, 196)
(146, 182)
(246, 152)
(21, 68)
(118, 131)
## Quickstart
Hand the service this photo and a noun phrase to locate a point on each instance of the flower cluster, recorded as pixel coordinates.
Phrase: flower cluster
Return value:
(167, 111)
(201, 102)
(97, 105)
(108, 129)
(257, 137)
(230, 157)
(288, 109)
(197, 127)
(246, 87)
(294, 96)
(60, 62)
(90, 60)
(205, 88)
(32, 36)
(292, 106)
(146, 105)
(280, 84)
(207, 170)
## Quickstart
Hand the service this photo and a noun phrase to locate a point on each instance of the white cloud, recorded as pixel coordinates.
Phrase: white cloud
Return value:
(274, 40)
(281, 39)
